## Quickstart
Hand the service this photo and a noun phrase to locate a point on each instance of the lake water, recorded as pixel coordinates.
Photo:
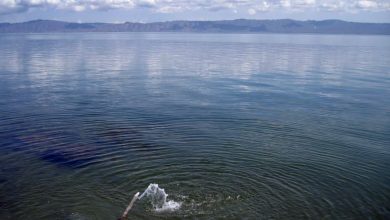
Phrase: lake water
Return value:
(234, 126)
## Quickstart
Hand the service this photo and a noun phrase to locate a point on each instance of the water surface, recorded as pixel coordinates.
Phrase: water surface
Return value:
(235, 126)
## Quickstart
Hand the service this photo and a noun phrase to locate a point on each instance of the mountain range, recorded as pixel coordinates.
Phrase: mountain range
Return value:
(227, 26)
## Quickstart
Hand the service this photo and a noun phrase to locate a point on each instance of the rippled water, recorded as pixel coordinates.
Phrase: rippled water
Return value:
(231, 126)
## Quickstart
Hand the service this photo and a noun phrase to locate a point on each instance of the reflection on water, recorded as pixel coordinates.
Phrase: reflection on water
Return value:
(232, 126)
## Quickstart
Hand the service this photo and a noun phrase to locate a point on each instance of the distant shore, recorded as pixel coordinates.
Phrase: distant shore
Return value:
(225, 26)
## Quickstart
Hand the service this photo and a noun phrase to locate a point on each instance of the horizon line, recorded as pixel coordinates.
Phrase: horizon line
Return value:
(139, 22)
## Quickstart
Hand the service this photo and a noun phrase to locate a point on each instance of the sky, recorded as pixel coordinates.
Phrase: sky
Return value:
(118, 11)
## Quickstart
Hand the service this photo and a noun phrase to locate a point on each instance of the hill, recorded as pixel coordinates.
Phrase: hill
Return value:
(235, 26)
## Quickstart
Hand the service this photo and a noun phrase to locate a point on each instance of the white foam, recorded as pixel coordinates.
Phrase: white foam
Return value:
(158, 199)
(169, 206)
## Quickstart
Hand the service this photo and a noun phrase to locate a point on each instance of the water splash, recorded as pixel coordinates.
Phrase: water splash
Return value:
(158, 198)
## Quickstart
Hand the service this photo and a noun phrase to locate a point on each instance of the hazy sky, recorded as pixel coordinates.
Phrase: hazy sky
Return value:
(162, 10)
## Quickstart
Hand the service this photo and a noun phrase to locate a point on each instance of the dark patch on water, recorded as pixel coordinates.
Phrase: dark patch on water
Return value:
(2, 180)
(65, 159)
(114, 135)
(62, 150)
(65, 151)
(11, 142)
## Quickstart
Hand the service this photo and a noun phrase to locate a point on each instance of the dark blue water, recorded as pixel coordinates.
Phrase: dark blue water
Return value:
(234, 126)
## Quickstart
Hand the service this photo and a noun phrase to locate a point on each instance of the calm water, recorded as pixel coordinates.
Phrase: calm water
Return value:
(232, 126)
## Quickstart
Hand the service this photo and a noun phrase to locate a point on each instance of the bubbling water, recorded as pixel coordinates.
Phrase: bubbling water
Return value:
(158, 199)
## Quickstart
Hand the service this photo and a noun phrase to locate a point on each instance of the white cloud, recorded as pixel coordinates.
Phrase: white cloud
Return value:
(332, 5)
(366, 4)
(172, 6)
(285, 3)
(251, 11)
(264, 6)
(169, 9)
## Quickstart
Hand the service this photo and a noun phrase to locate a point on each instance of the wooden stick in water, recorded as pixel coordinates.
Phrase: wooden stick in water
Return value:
(124, 216)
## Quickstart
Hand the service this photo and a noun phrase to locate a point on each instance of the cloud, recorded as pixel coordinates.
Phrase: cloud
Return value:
(251, 11)
(366, 4)
(174, 6)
